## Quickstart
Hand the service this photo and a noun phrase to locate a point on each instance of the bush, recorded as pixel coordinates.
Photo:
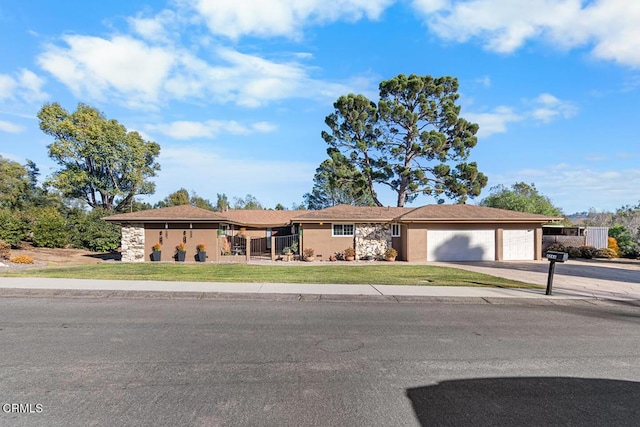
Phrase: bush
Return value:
(612, 244)
(22, 259)
(50, 229)
(91, 232)
(308, 253)
(587, 252)
(556, 247)
(574, 252)
(13, 227)
(605, 253)
(5, 250)
(390, 253)
(349, 252)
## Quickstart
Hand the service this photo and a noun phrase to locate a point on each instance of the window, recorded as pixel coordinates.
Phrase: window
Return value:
(223, 230)
(395, 230)
(342, 230)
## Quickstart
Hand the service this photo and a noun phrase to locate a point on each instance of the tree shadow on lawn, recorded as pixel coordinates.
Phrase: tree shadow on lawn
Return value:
(527, 401)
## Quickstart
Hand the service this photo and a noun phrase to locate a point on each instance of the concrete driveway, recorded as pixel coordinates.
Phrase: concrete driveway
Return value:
(615, 279)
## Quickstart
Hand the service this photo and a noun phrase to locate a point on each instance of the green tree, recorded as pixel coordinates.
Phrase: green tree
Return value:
(90, 232)
(249, 202)
(337, 181)
(412, 141)
(14, 184)
(101, 162)
(49, 228)
(280, 207)
(222, 204)
(182, 197)
(521, 197)
(628, 246)
(13, 227)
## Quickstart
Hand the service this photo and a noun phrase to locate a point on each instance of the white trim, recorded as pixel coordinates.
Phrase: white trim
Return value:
(398, 229)
(333, 230)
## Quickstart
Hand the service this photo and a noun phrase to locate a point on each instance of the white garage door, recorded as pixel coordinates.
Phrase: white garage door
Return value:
(517, 245)
(461, 245)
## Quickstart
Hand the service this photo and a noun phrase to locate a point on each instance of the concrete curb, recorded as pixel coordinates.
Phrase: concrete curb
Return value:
(294, 297)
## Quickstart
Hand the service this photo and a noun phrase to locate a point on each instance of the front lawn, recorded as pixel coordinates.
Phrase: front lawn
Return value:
(386, 274)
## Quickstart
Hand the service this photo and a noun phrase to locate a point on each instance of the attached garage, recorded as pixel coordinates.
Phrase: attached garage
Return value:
(518, 245)
(461, 245)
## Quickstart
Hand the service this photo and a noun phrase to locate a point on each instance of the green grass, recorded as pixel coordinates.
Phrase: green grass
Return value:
(392, 274)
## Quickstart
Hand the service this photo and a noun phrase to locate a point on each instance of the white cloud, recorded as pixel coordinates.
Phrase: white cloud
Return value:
(609, 27)
(25, 85)
(547, 108)
(137, 74)
(10, 127)
(268, 18)
(208, 129)
(96, 68)
(493, 122)
(544, 108)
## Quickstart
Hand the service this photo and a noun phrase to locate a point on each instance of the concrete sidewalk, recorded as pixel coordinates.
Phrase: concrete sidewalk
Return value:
(9, 286)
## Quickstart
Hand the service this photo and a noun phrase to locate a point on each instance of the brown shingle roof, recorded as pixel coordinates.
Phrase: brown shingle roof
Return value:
(354, 213)
(186, 213)
(471, 213)
(268, 218)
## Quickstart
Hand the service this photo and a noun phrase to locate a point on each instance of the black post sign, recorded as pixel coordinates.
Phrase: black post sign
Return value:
(554, 257)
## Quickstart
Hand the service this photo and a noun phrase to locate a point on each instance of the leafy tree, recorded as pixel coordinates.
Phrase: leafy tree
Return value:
(280, 207)
(520, 197)
(337, 181)
(177, 198)
(222, 204)
(249, 202)
(201, 202)
(101, 162)
(182, 197)
(628, 247)
(14, 184)
(413, 141)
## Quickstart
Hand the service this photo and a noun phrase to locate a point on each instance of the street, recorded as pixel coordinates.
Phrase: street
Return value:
(313, 363)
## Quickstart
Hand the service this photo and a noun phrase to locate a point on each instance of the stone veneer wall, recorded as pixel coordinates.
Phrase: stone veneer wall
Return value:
(132, 243)
(372, 240)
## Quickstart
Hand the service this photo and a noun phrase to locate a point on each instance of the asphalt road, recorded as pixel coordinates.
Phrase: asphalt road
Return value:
(153, 362)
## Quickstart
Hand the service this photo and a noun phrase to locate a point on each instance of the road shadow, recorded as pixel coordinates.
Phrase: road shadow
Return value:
(528, 401)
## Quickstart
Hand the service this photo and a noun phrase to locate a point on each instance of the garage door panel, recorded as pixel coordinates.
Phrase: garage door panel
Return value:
(518, 245)
(460, 245)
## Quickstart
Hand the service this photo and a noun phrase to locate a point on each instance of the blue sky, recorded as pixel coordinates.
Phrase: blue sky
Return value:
(236, 92)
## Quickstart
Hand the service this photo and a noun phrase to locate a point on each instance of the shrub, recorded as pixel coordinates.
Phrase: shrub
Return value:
(22, 259)
(605, 253)
(390, 253)
(50, 229)
(13, 227)
(612, 244)
(349, 252)
(308, 253)
(5, 250)
(556, 247)
(587, 252)
(573, 251)
(90, 231)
